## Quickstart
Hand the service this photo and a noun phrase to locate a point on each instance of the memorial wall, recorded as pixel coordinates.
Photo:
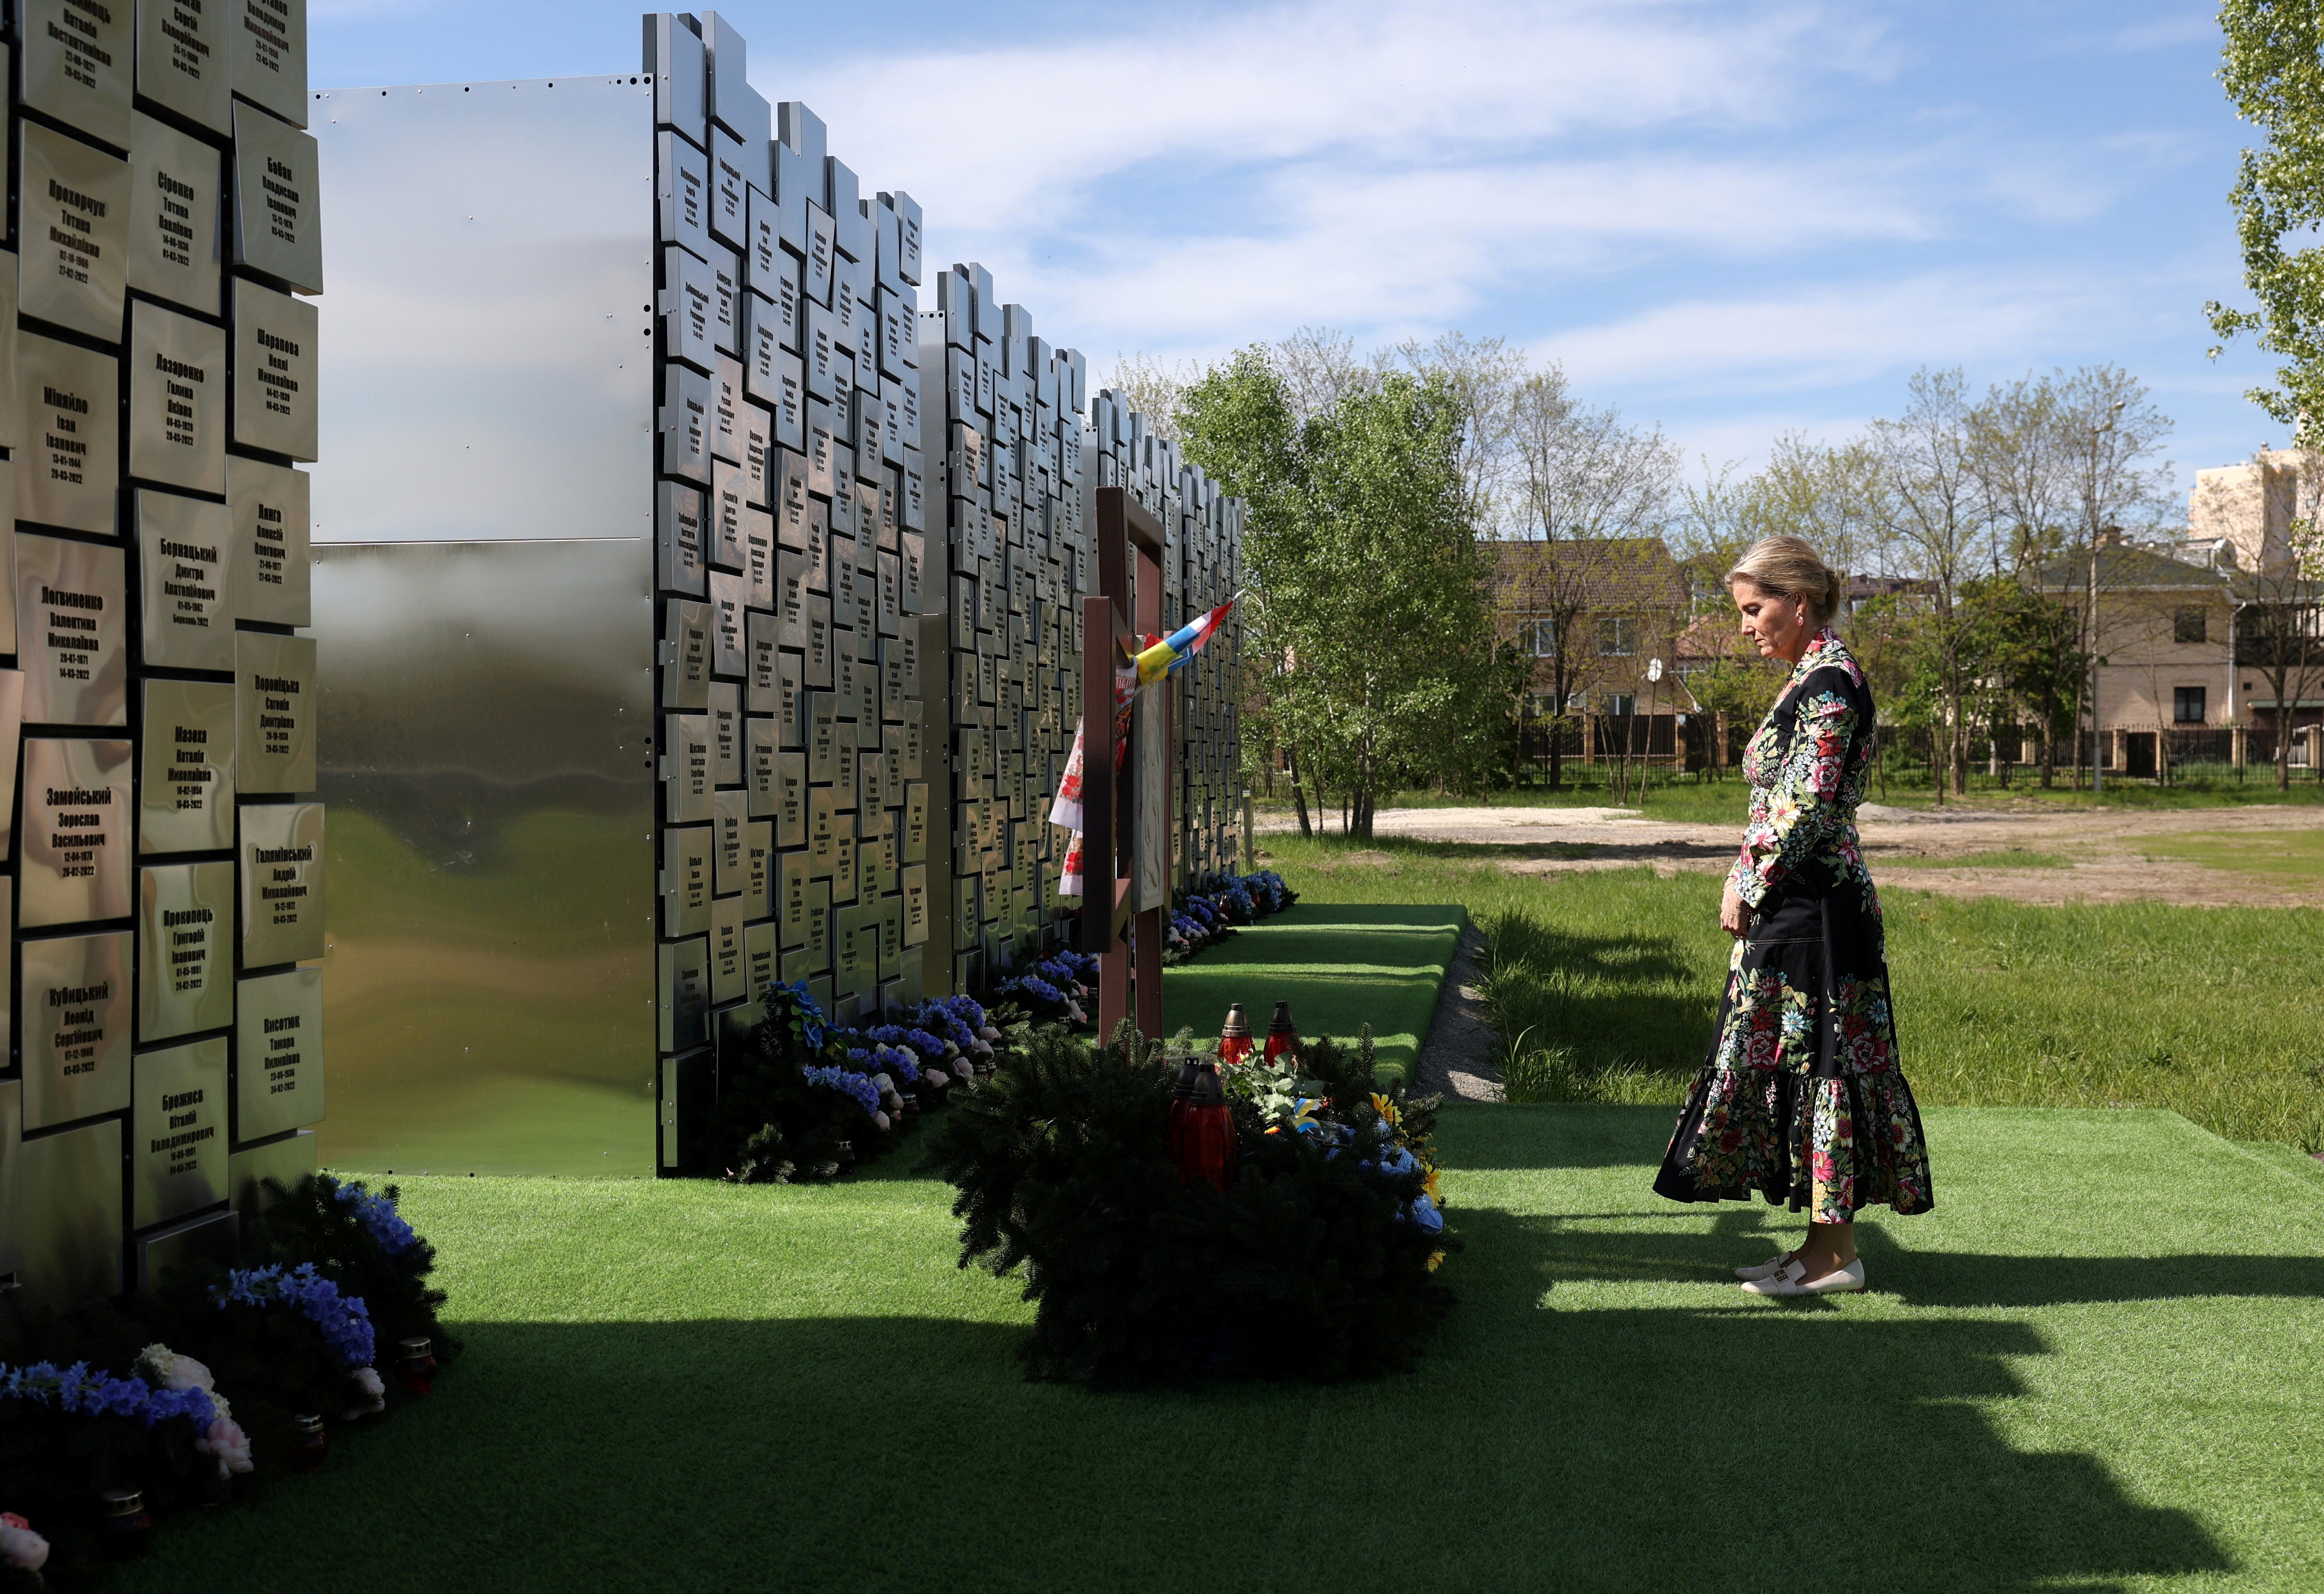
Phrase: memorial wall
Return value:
(166, 892)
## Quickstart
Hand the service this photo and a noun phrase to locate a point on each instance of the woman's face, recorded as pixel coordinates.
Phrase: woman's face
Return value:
(1778, 626)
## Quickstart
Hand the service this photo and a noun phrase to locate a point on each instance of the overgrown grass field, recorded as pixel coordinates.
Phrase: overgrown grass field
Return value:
(1604, 984)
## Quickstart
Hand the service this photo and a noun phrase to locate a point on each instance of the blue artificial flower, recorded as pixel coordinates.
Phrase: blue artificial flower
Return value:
(1424, 1213)
(864, 1093)
(344, 1321)
(81, 1392)
(379, 1218)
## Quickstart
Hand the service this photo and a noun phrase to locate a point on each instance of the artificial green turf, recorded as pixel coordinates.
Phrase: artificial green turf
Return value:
(1340, 966)
(2093, 1366)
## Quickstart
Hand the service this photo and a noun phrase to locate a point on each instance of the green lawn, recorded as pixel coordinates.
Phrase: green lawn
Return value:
(2093, 1366)
(2286, 856)
(1340, 966)
(1608, 980)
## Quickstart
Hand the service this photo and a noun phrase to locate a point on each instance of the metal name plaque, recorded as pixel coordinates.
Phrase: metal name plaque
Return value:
(73, 265)
(181, 61)
(76, 864)
(72, 633)
(278, 1052)
(277, 225)
(74, 1001)
(274, 578)
(689, 769)
(185, 798)
(185, 949)
(273, 370)
(266, 55)
(177, 399)
(71, 463)
(185, 561)
(77, 59)
(683, 984)
(678, 547)
(178, 1125)
(281, 883)
(274, 713)
(727, 980)
(174, 197)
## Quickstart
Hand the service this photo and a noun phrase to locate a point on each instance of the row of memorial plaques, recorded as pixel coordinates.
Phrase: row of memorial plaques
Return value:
(705, 866)
(856, 949)
(190, 58)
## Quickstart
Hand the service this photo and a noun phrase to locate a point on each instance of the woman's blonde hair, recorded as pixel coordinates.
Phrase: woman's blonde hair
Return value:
(1790, 567)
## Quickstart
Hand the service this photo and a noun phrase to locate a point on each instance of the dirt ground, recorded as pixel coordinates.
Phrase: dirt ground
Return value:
(2097, 853)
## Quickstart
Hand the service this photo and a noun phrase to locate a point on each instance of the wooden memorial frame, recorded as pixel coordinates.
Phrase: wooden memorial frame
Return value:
(1128, 605)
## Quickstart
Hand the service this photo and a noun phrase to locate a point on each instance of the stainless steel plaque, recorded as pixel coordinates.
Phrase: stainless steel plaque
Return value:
(685, 654)
(684, 987)
(728, 642)
(75, 240)
(689, 769)
(916, 822)
(181, 61)
(728, 980)
(75, 1002)
(678, 538)
(287, 1160)
(72, 633)
(70, 461)
(266, 55)
(69, 1216)
(282, 900)
(687, 876)
(689, 307)
(278, 221)
(760, 739)
(185, 950)
(274, 370)
(758, 869)
(685, 422)
(916, 904)
(76, 864)
(726, 731)
(12, 1135)
(726, 325)
(726, 842)
(186, 797)
(185, 550)
(278, 1052)
(178, 1131)
(793, 873)
(682, 188)
(762, 956)
(729, 185)
(271, 563)
(175, 199)
(730, 490)
(679, 65)
(76, 61)
(274, 713)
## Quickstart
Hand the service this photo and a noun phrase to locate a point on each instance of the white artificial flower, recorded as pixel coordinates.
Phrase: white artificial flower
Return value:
(19, 1546)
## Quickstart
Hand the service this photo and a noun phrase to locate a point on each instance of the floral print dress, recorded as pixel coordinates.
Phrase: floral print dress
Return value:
(1800, 1098)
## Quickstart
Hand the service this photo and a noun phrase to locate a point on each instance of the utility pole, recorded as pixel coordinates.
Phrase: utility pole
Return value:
(2090, 599)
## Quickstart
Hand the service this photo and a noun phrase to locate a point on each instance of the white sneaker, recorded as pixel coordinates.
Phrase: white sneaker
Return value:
(1790, 1280)
(1766, 1269)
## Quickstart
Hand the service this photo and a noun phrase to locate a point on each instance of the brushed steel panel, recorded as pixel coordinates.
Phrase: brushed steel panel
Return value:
(178, 1131)
(684, 999)
(76, 62)
(682, 194)
(688, 306)
(758, 742)
(176, 197)
(177, 399)
(685, 423)
(185, 793)
(182, 51)
(75, 238)
(12, 1132)
(687, 879)
(274, 358)
(757, 869)
(726, 840)
(282, 875)
(488, 722)
(76, 1004)
(275, 700)
(71, 463)
(916, 904)
(730, 641)
(492, 279)
(278, 220)
(76, 864)
(69, 1215)
(212, 1237)
(286, 1161)
(278, 1052)
(679, 548)
(272, 562)
(11, 396)
(185, 949)
(266, 55)
(790, 800)
(727, 732)
(689, 769)
(685, 654)
(679, 74)
(185, 550)
(728, 971)
(761, 958)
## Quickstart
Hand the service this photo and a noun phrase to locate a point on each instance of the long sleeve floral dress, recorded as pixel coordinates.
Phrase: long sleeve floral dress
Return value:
(1800, 1098)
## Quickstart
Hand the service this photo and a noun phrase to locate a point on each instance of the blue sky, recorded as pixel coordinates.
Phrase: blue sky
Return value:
(1733, 219)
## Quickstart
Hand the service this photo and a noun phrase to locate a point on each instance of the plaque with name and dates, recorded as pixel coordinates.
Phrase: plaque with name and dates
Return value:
(72, 265)
(181, 61)
(278, 1052)
(72, 633)
(75, 863)
(727, 979)
(77, 61)
(177, 399)
(70, 464)
(274, 713)
(175, 187)
(687, 879)
(185, 949)
(186, 792)
(282, 882)
(177, 1124)
(266, 55)
(278, 225)
(273, 370)
(272, 574)
(74, 1002)
(184, 547)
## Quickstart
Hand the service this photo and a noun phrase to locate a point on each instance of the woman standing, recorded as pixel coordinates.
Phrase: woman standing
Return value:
(1800, 1098)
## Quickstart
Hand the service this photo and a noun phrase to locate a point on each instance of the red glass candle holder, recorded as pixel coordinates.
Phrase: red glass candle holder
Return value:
(1234, 1037)
(1282, 1036)
(128, 1526)
(415, 1366)
(310, 1446)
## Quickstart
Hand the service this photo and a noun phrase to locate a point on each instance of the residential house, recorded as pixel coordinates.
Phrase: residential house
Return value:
(1625, 600)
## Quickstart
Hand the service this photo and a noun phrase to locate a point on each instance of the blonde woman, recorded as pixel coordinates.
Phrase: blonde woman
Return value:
(1802, 1099)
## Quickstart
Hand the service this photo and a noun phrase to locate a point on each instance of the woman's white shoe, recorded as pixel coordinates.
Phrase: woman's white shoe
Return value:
(1766, 1269)
(1791, 1279)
